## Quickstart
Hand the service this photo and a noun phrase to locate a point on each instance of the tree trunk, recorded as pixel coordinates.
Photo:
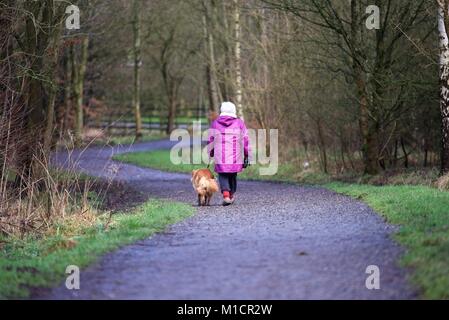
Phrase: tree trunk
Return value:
(404, 151)
(227, 54)
(367, 129)
(137, 66)
(68, 85)
(53, 90)
(237, 57)
(444, 84)
(34, 127)
(211, 76)
(265, 70)
(322, 145)
(426, 153)
(48, 134)
(78, 73)
(342, 151)
(395, 154)
(171, 114)
(35, 95)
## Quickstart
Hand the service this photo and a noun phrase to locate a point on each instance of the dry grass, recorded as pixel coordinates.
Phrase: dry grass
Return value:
(443, 182)
(40, 203)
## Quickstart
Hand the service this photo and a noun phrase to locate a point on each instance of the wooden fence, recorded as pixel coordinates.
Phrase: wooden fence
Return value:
(123, 123)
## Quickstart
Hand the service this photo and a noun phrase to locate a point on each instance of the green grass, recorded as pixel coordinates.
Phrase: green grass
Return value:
(423, 213)
(42, 262)
(160, 159)
(420, 210)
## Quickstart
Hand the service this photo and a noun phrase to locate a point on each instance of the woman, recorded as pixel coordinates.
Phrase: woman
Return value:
(228, 136)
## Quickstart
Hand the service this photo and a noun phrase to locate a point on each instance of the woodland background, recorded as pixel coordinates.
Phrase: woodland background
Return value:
(348, 101)
(356, 108)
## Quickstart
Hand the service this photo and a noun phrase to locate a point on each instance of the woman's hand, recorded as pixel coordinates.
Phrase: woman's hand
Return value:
(246, 163)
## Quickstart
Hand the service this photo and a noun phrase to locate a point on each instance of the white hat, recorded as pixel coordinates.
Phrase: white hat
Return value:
(228, 109)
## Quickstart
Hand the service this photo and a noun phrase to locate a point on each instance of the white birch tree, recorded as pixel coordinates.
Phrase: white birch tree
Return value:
(237, 57)
(443, 24)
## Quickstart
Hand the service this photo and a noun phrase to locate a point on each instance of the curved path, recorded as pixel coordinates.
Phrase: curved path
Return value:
(279, 241)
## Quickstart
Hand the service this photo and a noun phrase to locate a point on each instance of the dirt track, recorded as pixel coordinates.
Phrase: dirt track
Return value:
(279, 241)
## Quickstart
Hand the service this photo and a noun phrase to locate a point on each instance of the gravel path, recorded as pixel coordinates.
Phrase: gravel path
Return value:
(279, 241)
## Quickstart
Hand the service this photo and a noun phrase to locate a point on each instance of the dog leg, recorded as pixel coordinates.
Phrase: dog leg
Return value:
(203, 200)
(199, 200)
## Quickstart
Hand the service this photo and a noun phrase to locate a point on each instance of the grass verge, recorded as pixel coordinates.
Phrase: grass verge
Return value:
(421, 211)
(160, 159)
(32, 262)
(423, 214)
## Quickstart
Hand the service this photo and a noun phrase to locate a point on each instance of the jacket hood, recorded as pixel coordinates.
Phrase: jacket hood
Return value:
(226, 121)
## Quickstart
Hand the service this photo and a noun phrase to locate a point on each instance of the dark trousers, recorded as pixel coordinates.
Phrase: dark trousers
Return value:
(228, 182)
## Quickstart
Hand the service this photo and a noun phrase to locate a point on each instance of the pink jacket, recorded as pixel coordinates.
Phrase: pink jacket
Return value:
(228, 144)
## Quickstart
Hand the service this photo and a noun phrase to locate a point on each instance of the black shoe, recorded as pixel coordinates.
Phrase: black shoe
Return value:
(227, 201)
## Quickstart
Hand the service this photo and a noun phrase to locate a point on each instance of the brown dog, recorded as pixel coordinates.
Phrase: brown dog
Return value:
(205, 185)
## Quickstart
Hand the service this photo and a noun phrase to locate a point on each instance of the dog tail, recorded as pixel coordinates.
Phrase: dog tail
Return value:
(212, 186)
(203, 183)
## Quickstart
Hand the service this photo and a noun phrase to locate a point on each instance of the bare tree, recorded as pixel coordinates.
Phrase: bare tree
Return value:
(79, 65)
(443, 26)
(213, 89)
(175, 38)
(43, 21)
(237, 57)
(137, 66)
(368, 57)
